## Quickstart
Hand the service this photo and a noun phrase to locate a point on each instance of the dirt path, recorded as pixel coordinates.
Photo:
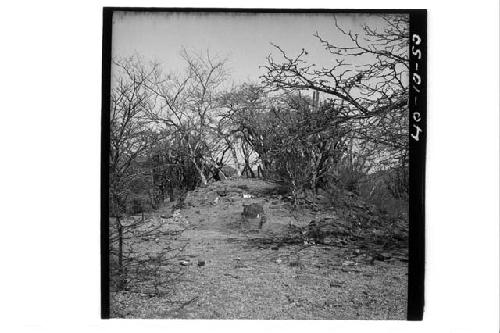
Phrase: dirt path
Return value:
(243, 277)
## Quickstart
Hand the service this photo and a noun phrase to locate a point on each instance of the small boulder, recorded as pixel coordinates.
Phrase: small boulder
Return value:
(383, 256)
(386, 255)
(222, 193)
(201, 262)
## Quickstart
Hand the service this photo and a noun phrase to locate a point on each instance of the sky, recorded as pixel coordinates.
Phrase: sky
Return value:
(243, 39)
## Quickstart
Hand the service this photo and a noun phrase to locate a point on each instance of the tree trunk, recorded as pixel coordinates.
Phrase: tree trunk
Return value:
(351, 162)
(244, 172)
(265, 168)
(121, 271)
(294, 194)
(171, 193)
(237, 164)
(201, 174)
(249, 168)
(313, 185)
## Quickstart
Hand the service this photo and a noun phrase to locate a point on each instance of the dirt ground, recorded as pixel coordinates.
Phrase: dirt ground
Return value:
(243, 275)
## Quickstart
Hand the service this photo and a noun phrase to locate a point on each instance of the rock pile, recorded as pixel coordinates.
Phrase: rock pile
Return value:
(328, 231)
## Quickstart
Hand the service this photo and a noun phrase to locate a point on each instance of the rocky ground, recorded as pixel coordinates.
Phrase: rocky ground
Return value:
(349, 263)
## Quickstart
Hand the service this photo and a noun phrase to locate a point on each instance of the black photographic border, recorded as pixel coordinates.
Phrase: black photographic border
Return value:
(418, 138)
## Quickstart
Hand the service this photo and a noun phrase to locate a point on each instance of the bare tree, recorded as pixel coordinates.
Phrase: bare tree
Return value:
(139, 157)
(129, 137)
(130, 134)
(188, 106)
(372, 96)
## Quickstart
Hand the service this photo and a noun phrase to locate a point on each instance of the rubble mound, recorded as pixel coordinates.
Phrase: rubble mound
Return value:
(328, 231)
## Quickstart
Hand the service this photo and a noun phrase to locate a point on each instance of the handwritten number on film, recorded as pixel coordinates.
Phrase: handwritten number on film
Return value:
(416, 84)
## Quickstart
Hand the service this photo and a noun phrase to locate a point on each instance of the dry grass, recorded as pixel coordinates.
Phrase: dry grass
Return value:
(247, 277)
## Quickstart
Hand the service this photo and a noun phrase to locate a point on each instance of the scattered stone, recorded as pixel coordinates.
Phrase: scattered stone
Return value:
(240, 265)
(327, 230)
(386, 254)
(383, 256)
(231, 275)
(222, 193)
(247, 196)
(328, 241)
(157, 240)
(278, 261)
(184, 263)
(201, 262)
